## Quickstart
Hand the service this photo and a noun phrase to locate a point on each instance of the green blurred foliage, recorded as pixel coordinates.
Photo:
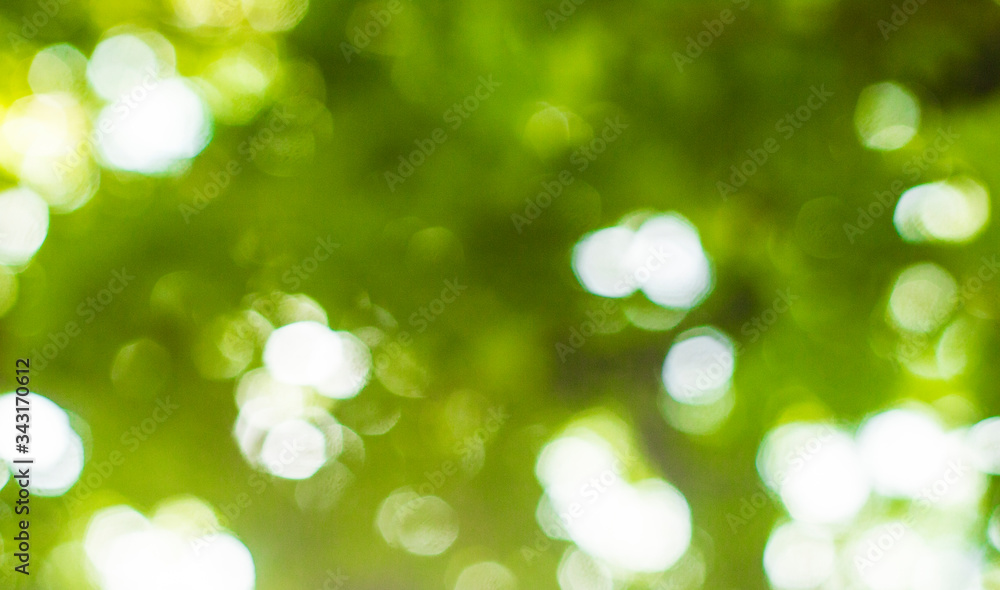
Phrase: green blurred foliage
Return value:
(452, 219)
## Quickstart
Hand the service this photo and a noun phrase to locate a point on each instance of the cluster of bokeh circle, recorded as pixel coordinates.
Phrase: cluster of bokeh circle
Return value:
(868, 504)
(891, 503)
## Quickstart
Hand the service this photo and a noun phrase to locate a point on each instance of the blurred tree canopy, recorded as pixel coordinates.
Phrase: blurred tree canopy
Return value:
(424, 188)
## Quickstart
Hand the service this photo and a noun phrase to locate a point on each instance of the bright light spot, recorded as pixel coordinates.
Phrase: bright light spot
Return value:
(922, 298)
(67, 182)
(39, 125)
(128, 551)
(903, 450)
(156, 126)
(57, 68)
(108, 525)
(954, 211)
(274, 15)
(646, 315)
(187, 514)
(667, 261)
(122, 63)
(258, 384)
(294, 450)
(957, 486)
(214, 13)
(566, 464)
(643, 527)
(664, 258)
(947, 567)
(786, 448)
(55, 447)
(430, 529)
(352, 372)
(816, 470)
(422, 525)
(118, 64)
(259, 414)
(488, 575)
(699, 420)
(304, 353)
(241, 79)
(24, 223)
(337, 364)
(296, 308)
(887, 116)
(47, 137)
(550, 521)
(699, 367)
(640, 528)
(278, 431)
(225, 563)
(57, 478)
(984, 444)
(599, 262)
(798, 556)
(889, 556)
(579, 571)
